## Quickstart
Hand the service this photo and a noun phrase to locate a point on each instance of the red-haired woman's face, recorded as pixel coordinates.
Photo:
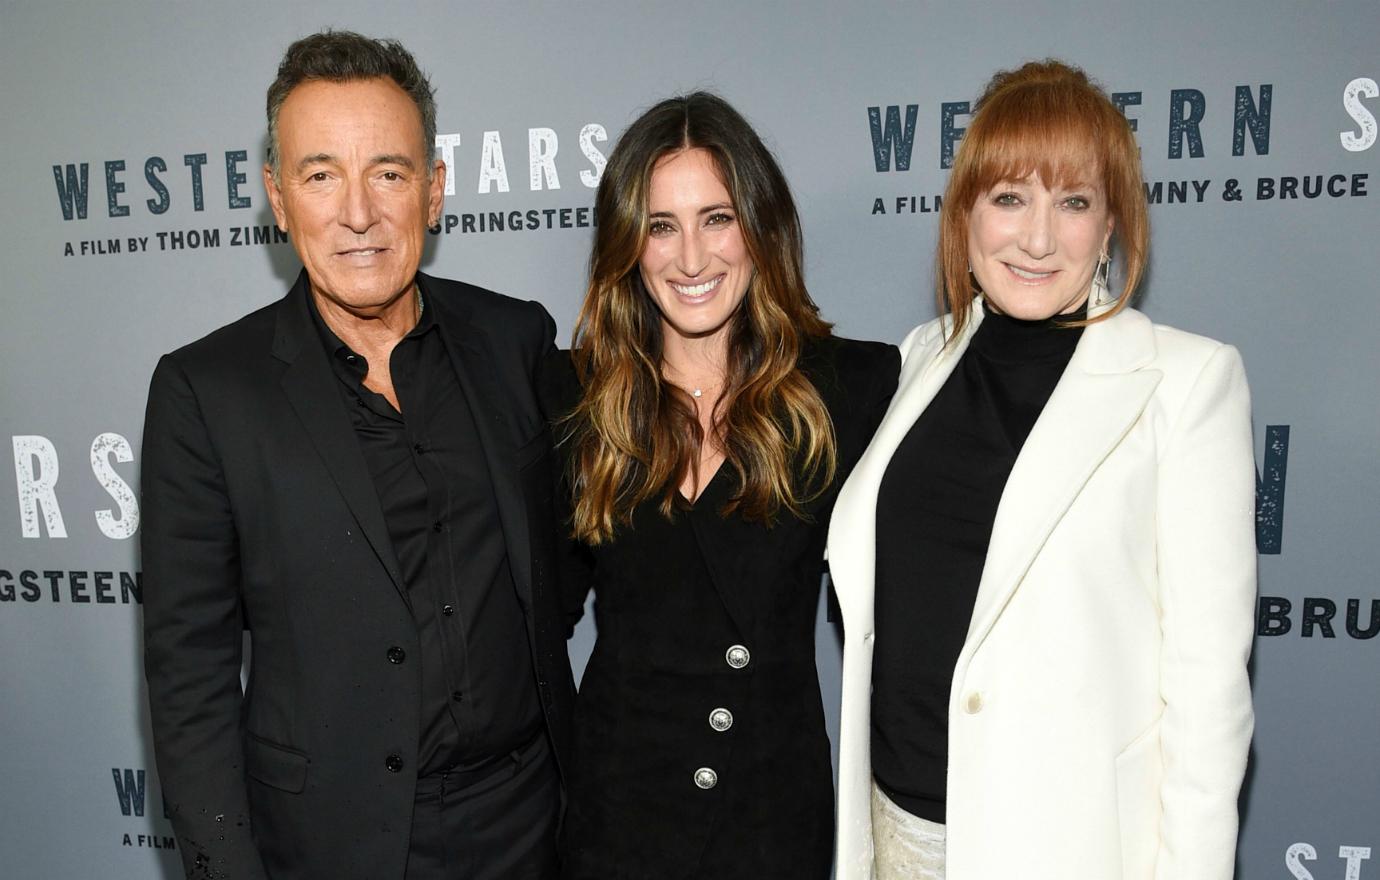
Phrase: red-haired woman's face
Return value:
(1033, 250)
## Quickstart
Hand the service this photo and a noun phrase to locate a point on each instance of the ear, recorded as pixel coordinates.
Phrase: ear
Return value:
(275, 198)
(1107, 239)
(436, 192)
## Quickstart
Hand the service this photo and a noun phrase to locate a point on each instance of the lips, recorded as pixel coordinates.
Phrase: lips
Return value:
(1028, 274)
(697, 291)
(361, 252)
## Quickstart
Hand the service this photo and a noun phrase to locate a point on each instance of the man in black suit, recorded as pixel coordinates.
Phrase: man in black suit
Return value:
(359, 476)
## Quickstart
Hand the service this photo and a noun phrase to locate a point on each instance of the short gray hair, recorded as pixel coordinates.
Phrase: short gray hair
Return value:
(345, 56)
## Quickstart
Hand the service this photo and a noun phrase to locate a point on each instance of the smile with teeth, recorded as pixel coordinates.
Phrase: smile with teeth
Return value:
(361, 252)
(698, 289)
(1027, 274)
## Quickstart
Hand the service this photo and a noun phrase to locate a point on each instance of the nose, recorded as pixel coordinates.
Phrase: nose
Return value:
(694, 254)
(1037, 232)
(358, 211)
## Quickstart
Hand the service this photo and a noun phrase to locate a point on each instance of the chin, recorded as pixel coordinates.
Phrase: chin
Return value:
(1024, 309)
(698, 329)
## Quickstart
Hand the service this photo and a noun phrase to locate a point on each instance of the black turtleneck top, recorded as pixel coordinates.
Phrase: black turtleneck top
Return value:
(935, 509)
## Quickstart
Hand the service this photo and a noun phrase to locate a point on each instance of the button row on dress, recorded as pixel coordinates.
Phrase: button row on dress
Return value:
(720, 719)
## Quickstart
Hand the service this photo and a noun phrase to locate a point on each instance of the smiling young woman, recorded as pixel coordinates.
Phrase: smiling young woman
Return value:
(714, 417)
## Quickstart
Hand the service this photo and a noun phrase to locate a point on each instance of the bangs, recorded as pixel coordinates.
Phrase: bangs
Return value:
(1042, 129)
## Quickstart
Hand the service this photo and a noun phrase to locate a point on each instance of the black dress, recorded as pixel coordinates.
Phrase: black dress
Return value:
(700, 747)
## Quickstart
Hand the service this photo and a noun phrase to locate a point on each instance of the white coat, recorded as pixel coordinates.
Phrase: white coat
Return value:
(1099, 712)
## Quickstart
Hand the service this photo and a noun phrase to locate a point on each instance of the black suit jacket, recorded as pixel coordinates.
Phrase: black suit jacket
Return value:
(260, 514)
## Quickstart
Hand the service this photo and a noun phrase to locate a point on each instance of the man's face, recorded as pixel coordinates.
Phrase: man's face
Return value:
(354, 193)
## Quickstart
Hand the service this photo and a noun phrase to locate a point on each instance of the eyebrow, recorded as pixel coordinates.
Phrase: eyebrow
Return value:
(393, 159)
(314, 159)
(707, 209)
(381, 159)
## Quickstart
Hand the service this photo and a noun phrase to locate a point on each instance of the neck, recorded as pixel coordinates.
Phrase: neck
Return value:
(697, 361)
(372, 329)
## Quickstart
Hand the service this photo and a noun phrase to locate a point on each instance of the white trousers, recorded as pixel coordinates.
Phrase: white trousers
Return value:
(905, 847)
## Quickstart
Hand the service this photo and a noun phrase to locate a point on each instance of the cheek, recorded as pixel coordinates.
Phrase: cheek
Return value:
(653, 259)
(733, 250)
(1085, 240)
(1001, 229)
(980, 238)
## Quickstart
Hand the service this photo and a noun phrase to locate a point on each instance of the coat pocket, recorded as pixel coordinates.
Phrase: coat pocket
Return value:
(1138, 775)
(275, 765)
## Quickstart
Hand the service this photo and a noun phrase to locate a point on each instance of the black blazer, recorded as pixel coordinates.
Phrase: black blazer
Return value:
(260, 514)
(672, 600)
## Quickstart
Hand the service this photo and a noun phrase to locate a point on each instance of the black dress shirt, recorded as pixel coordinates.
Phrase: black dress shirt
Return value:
(479, 694)
(935, 509)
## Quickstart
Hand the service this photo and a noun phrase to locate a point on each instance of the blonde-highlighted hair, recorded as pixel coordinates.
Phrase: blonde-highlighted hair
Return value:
(1045, 118)
(635, 436)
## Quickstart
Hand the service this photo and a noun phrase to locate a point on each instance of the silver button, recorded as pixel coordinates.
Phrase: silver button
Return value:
(973, 704)
(737, 656)
(706, 778)
(721, 719)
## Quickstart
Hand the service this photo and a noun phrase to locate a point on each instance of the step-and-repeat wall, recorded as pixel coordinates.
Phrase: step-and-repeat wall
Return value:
(135, 221)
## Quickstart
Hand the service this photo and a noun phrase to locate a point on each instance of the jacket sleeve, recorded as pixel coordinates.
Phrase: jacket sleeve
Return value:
(885, 377)
(193, 633)
(559, 390)
(1207, 568)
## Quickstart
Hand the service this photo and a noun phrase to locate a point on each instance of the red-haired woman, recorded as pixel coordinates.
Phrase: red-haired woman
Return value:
(1045, 559)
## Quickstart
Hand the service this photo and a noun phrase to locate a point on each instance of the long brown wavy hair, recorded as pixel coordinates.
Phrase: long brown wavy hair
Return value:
(635, 436)
(1045, 118)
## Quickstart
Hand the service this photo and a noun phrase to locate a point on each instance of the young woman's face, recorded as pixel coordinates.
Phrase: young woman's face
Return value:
(695, 265)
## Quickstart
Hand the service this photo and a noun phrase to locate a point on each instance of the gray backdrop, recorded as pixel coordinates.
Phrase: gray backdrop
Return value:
(171, 90)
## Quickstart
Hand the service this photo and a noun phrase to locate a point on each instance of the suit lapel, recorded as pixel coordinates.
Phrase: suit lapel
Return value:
(311, 389)
(465, 342)
(720, 539)
(1100, 396)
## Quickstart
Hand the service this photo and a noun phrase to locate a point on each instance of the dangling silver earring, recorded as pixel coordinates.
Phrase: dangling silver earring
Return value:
(1100, 294)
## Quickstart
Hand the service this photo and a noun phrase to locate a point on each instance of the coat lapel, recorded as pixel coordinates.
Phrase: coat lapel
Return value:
(465, 342)
(311, 389)
(719, 538)
(1100, 396)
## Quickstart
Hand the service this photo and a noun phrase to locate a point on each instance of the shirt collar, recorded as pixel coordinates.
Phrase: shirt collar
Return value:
(341, 353)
